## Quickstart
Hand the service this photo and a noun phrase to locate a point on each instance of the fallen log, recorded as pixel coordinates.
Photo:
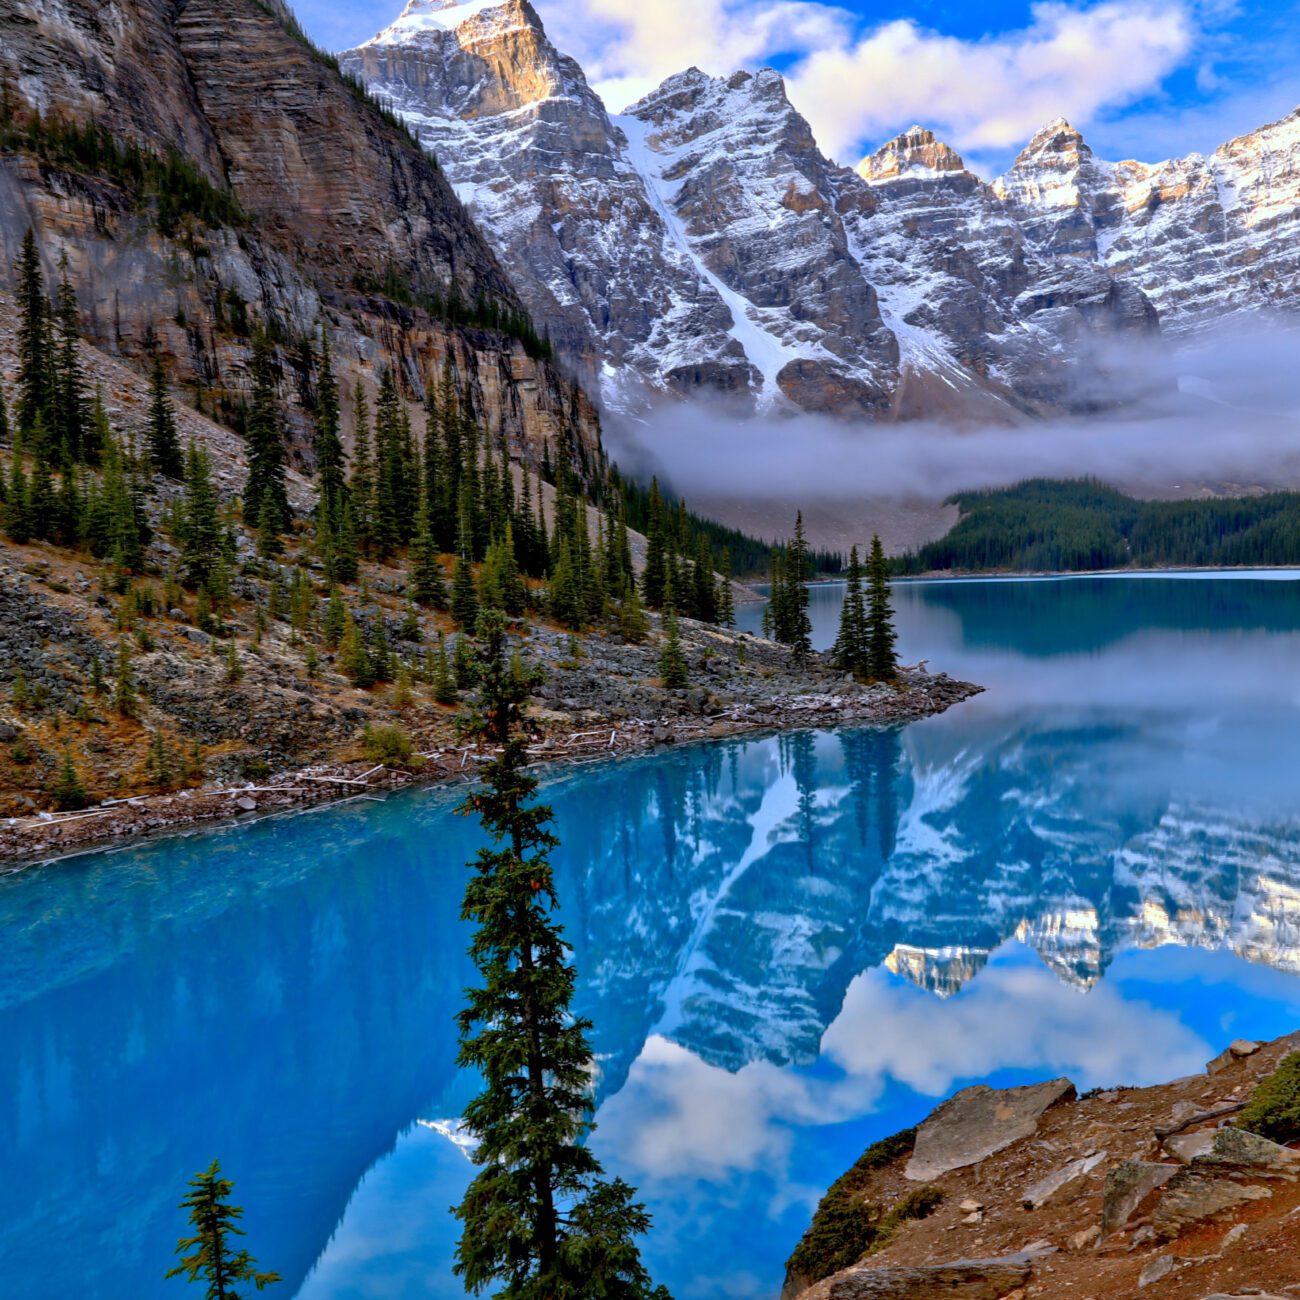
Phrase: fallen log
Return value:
(1201, 1117)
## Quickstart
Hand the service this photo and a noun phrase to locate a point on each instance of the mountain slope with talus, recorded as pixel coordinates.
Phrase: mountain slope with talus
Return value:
(701, 243)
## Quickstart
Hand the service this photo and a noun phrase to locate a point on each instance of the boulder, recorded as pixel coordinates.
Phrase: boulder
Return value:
(1158, 1269)
(1237, 1149)
(1083, 1239)
(968, 1279)
(1043, 1190)
(1195, 1195)
(1127, 1186)
(1237, 1050)
(1185, 1147)
(1213, 1183)
(979, 1121)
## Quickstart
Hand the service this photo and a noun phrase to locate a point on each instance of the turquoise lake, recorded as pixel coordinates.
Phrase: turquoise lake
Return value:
(790, 946)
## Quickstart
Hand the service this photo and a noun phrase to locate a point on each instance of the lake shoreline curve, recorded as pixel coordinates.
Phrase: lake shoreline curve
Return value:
(816, 698)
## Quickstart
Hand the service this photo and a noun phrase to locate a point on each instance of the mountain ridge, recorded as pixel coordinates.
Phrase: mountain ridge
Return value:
(727, 255)
(906, 287)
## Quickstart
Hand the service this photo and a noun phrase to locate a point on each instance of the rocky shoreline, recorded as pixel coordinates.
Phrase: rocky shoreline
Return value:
(1003, 1194)
(588, 711)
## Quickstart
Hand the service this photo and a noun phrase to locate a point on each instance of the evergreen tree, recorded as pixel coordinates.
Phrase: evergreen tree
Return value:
(464, 667)
(35, 347)
(655, 573)
(68, 793)
(426, 586)
(335, 622)
(124, 699)
(163, 438)
(18, 506)
(209, 1255)
(328, 442)
(201, 534)
(347, 562)
(500, 586)
(799, 631)
(704, 597)
(6, 434)
(882, 659)
(234, 668)
(73, 431)
(353, 656)
(160, 761)
(851, 652)
(726, 598)
(633, 625)
(390, 470)
(41, 510)
(464, 597)
(539, 1218)
(265, 496)
(381, 657)
(444, 684)
(362, 485)
(672, 662)
(268, 530)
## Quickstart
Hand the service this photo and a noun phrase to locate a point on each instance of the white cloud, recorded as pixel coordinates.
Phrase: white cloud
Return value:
(857, 86)
(627, 47)
(991, 94)
(1011, 1016)
(678, 1117)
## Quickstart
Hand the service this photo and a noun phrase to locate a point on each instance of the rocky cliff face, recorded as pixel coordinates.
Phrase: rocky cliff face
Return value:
(1200, 236)
(347, 222)
(702, 242)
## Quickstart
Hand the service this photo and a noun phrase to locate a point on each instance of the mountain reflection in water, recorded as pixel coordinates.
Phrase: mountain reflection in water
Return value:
(788, 945)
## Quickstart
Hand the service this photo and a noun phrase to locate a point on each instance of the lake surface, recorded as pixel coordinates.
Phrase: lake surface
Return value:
(790, 947)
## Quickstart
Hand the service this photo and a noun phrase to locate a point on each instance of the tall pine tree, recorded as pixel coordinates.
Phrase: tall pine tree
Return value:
(266, 502)
(71, 410)
(209, 1255)
(882, 659)
(851, 652)
(163, 438)
(35, 346)
(655, 572)
(328, 442)
(540, 1220)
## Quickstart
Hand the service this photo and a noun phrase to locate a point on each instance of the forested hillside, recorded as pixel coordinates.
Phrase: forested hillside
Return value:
(1078, 525)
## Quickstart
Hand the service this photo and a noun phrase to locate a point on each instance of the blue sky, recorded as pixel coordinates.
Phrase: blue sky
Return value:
(1141, 78)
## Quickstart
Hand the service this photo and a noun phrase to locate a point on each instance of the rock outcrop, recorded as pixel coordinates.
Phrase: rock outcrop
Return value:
(1126, 1221)
(974, 301)
(978, 1122)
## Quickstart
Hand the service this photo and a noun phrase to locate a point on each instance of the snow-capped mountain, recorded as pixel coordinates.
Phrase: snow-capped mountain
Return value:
(703, 242)
(1200, 236)
(533, 154)
(971, 299)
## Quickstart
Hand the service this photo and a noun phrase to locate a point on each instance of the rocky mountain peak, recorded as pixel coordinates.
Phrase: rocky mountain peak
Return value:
(916, 150)
(1056, 137)
(425, 20)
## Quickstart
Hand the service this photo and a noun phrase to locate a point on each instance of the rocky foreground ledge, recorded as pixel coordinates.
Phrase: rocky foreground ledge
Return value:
(601, 698)
(1008, 1194)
